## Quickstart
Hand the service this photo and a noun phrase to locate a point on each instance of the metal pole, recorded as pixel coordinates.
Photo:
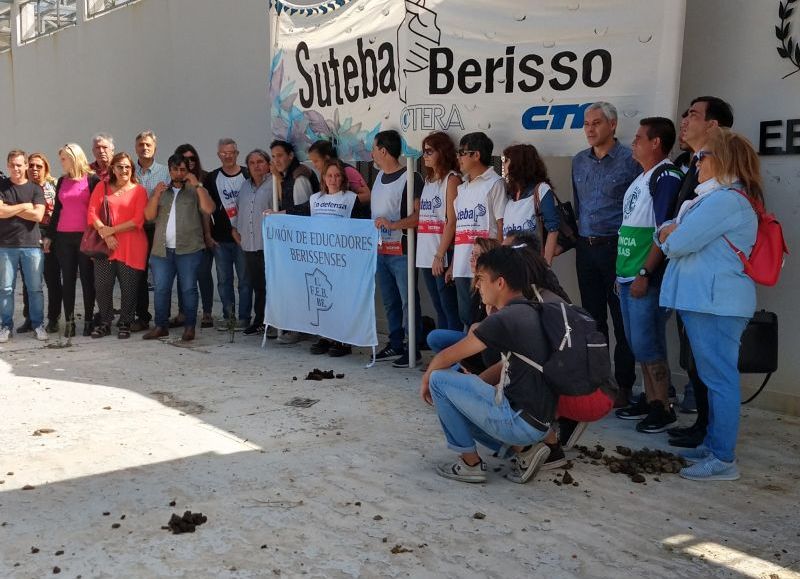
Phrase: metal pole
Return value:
(411, 259)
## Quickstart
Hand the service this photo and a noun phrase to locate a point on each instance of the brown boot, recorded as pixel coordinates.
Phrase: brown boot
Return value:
(156, 333)
(188, 334)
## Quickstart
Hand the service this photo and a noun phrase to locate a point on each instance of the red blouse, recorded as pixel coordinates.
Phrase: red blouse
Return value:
(132, 247)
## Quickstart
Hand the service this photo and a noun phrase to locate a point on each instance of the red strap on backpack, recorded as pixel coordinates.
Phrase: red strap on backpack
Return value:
(766, 259)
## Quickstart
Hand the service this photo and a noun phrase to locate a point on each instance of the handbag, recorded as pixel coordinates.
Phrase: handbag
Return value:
(92, 244)
(758, 350)
(567, 224)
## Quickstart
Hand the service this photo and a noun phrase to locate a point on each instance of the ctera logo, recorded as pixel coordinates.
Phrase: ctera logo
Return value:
(553, 117)
(471, 214)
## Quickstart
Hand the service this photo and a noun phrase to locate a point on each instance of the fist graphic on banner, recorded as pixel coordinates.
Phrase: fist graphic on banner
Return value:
(415, 37)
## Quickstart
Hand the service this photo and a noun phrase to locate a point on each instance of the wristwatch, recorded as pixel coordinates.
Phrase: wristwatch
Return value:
(644, 273)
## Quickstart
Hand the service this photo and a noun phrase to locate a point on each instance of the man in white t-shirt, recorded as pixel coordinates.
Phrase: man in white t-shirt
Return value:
(480, 205)
(388, 207)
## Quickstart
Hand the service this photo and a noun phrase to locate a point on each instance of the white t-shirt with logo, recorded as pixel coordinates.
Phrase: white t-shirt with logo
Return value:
(432, 219)
(480, 203)
(228, 188)
(333, 204)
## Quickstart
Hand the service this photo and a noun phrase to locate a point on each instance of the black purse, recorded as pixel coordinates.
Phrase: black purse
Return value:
(758, 351)
(567, 226)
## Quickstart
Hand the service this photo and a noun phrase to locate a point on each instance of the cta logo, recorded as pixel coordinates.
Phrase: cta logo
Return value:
(553, 117)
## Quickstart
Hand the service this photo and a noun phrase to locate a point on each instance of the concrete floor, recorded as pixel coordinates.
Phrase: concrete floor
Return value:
(330, 490)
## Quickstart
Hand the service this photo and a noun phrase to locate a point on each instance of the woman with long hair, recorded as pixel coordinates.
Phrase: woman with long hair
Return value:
(531, 204)
(116, 211)
(437, 226)
(706, 284)
(205, 281)
(39, 173)
(73, 192)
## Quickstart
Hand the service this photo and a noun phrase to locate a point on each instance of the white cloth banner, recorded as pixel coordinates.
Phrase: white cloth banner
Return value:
(519, 70)
(321, 276)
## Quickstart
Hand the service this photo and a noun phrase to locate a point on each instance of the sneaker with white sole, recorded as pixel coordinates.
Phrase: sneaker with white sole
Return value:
(528, 462)
(636, 411)
(388, 354)
(40, 333)
(658, 419)
(463, 472)
(711, 468)
(556, 458)
(5, 334)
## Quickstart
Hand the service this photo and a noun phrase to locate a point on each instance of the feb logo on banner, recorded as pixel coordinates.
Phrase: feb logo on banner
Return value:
(321, 276)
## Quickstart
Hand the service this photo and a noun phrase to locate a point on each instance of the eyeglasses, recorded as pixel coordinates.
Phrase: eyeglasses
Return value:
(428, 152)
(465, 152)
(190, 158)
(703, 154)
(36, 167)
(125, 168)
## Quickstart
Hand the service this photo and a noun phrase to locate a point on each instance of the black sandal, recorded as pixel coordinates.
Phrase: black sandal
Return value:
(124, 333)
(101, 331)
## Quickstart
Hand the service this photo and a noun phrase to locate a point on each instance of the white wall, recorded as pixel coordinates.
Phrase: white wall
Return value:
(730, 52)
(191, 70)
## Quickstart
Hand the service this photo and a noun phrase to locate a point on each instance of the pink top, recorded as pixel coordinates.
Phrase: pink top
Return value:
(74, 197)
(354, 178)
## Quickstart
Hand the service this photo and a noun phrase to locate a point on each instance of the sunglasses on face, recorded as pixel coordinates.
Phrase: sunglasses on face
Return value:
(124, 168)
(703, 154)
(36, 167)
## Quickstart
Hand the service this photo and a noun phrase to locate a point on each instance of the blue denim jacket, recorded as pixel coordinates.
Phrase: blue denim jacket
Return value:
(704, 274)
(599, 187)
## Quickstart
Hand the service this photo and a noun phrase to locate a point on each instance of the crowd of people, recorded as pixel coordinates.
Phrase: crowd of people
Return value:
(653, 236)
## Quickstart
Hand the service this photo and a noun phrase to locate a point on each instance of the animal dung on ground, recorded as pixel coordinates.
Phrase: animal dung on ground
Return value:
(187, 523)
(637, 463)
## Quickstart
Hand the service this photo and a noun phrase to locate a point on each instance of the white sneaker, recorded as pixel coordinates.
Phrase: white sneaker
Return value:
(40, 333)
(289, 337)
(528, 462)
(461, 471)
(5, 334)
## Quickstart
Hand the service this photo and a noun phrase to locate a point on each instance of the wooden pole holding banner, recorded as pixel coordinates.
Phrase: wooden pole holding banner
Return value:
(275, 207)
(411, 260)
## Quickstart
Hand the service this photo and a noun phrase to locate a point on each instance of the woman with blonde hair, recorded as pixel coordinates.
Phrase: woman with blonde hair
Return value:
(706, 284)
(63, 235)
(39, 173)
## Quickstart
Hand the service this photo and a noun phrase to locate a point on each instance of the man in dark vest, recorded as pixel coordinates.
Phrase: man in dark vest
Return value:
(296, 184)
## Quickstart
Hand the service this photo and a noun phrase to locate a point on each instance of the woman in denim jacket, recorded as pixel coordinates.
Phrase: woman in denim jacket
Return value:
(706, 283)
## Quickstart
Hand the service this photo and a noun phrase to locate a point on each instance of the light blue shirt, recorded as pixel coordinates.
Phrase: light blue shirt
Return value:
(149, 178)
(704, 274)
(599, 187)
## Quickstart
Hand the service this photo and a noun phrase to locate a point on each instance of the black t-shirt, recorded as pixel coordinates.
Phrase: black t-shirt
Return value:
(16, 231)
(517, 328)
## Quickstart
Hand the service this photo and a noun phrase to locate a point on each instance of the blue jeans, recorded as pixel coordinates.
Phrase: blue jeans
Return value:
(439, 340)
(715, 344)
(228, 255)
(645, 323)
(392, 274)
(468, 413)
(164, 270)
(444, 299)
(31, 261)
(464, 293)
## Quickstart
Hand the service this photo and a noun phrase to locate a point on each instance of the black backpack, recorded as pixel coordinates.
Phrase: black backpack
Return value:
(579, 361)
